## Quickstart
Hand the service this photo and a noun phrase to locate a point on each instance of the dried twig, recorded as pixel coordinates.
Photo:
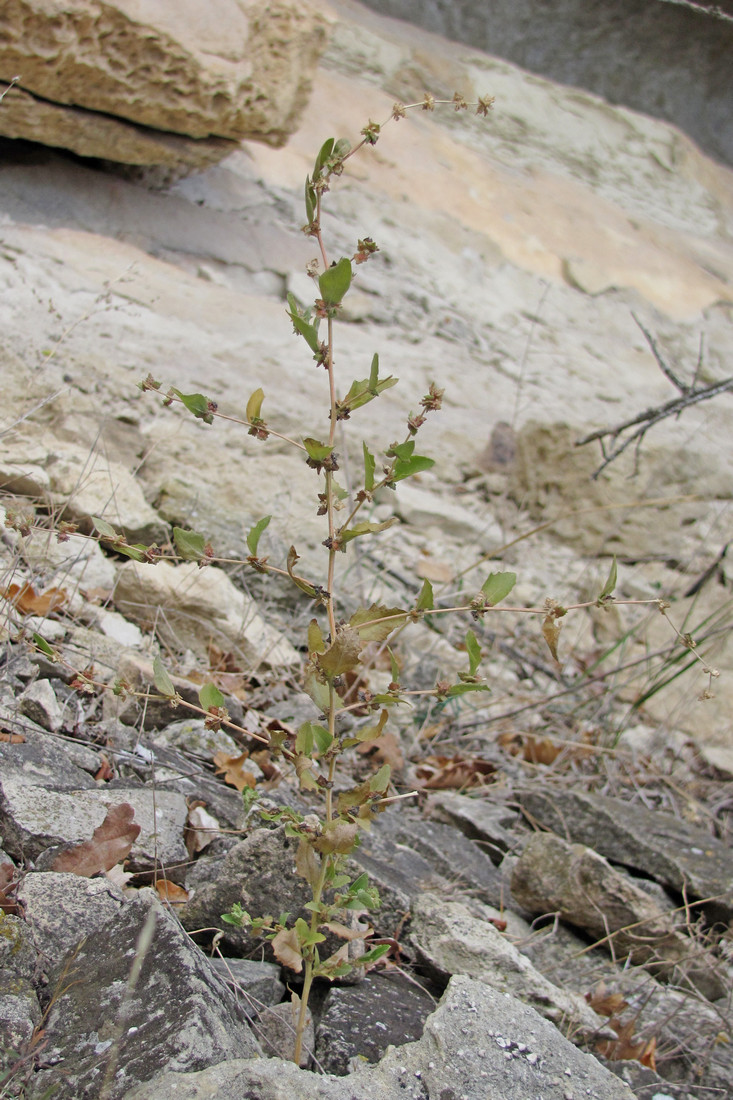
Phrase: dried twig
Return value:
(689, 395)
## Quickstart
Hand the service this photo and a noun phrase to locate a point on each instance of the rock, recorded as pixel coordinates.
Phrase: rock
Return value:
(450, 940)
(482, 820)
(421, 508)
(20, 1014)
(624, 55)
(553, 876)
(192, 606)
(39, 703)
(108, 1022)
(240, 71)
(259, 874)
(477, 1043)
(42, 761)
(675, 852)
(276, 1032)
(89, 134)
(63, 910)
(259, 981)
(360, 1022)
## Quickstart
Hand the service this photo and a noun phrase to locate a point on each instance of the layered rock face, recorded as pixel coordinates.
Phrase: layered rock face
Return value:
(177, 83)
(661, 58)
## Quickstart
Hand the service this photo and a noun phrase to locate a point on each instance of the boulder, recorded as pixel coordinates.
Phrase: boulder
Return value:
(114, 80)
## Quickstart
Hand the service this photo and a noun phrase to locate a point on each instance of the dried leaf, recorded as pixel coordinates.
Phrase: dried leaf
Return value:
(287, 949)
(306, 863)
(436, 773)
(345, 933)
(8, 884)
(540, 751)
(170, 892)
(234, 772)
(551, 633)
(105, 772)
(386, 749)
(605, 1003)
(337, 836)
(12, 738)
(201, 828)
(110, 843)
(30, 602)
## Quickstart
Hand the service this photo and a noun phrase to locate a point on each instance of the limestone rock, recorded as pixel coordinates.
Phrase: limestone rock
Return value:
(97, 1017)
(477, 1043)
(552, 876)
(236, 69)
(675, 852)
(193, 606)
(89, 134)
(450, 940)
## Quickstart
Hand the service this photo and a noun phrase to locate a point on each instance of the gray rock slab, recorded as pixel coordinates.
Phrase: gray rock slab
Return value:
(669, 849)
(61, 910)
(574, 882)
(478, 1044)
(178, 1013)
(450, 940)
(20, 1012)
(258, 982)
(259, 873)
(360, 1022)
(480, 819)
(43, 759)
(33, 820)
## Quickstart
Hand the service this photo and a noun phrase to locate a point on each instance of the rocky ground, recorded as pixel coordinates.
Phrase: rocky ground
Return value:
(557, 901)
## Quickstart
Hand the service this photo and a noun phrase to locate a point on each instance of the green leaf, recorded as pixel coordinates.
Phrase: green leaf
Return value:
(372, 955)
(380, 780)
(316, 643)
(323, 739)
(335, 282)
(369, 468)
(341, 148)
(136, 552)
(317, 450)
(310, 200)
(394, 667)
(401, 450)
(347, 534)
(463, 689)
(370, 630)
(371, 733)
(304, 739)
(497, 586)
(316, 689)
(610, 583)
(210, 696)
(425, 599)
(254, 405)
(323, 154)
(474, 652)
(197, 404)
(374, 374)
(253, 538)
(106, 530)
(410, 466)
(362, 392)
(343, 653)
(190, 545)
(359, 883)
(44, 647)
(309, 332)
(301, 584)
(162, 680)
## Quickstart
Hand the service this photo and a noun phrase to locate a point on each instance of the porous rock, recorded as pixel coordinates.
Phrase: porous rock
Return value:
(234, 69)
